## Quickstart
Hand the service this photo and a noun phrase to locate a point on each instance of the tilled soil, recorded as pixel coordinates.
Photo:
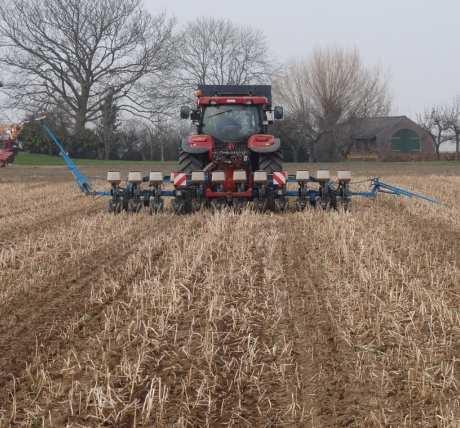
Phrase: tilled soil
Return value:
(302, 319)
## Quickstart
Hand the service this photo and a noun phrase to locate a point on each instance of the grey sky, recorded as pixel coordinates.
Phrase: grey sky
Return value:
(415, 40)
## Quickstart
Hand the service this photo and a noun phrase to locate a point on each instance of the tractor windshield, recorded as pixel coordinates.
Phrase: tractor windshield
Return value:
(231, 122)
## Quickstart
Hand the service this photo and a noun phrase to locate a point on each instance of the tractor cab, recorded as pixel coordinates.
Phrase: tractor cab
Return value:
(231, 130)
(232, 112)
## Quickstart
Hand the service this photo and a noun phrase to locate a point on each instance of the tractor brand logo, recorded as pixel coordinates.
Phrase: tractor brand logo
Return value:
(279, 178)
(180, 179)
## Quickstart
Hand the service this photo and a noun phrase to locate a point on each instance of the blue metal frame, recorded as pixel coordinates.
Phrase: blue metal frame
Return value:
(380, 186)
(80, 179)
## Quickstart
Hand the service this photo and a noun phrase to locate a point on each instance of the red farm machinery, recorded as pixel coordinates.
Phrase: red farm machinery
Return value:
(9, 144)
(230, 160)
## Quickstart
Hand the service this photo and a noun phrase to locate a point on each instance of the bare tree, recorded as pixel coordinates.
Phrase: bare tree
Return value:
(74, 53)
(216, 51)
(107, 125)
(332, 88)
(435, 122)
(292, 88)
(452, 119)
(155, 131)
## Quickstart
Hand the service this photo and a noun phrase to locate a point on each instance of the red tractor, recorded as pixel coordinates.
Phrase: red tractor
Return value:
(232, 151)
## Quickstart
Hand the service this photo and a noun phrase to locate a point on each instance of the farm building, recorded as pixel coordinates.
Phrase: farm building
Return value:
(390, 138)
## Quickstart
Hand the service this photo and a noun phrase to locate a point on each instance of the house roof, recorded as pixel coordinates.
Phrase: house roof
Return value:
(371, 127)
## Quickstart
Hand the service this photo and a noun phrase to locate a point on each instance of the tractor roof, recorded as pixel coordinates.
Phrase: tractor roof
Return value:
(231, 100)
(237, 91)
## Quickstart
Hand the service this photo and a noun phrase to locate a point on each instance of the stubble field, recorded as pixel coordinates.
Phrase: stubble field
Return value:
(302, 319)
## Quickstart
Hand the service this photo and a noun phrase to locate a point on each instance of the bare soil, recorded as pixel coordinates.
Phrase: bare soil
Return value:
(305, 319)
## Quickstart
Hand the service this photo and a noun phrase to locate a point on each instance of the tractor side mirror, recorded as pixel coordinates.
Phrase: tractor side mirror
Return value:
(195, 115)
(184, 112)
(278, 113)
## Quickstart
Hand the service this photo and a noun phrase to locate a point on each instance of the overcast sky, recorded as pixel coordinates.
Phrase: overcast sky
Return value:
(416, 41)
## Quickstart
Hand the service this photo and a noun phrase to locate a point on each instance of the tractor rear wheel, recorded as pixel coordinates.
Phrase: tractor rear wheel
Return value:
(271, 162)
(189, 162)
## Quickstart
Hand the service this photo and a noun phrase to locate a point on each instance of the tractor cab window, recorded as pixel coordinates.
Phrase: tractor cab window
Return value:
(231, 122)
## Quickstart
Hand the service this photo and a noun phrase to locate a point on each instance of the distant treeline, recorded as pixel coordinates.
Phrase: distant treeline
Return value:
(111, 77)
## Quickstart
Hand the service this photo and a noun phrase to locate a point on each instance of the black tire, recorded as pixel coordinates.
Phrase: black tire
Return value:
(189, 162)
(218, 205)
(271, 162)
(328, 201)
(115, 207)
(182, 206)
(134, 206)
(156, 207)
(280, 205)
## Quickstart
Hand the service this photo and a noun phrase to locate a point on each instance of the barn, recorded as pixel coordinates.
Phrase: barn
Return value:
(390, 138)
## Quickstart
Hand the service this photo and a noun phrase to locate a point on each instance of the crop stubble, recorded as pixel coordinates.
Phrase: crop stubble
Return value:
(302, 319)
